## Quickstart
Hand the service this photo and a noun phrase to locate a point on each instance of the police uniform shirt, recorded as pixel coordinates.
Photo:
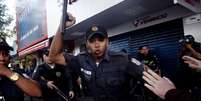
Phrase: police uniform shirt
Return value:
(105, 81)
(10, 91)
(58, 74)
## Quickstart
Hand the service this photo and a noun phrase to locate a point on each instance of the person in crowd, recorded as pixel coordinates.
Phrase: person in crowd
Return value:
(76, 83)
(103, 72)
(54, 80)
(188, 78)
(149, 59)
(30, 68)
(12, 84)
(165, 89)
(191, 47)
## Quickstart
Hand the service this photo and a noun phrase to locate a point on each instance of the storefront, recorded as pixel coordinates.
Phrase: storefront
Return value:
(131, 24)
(163, 39)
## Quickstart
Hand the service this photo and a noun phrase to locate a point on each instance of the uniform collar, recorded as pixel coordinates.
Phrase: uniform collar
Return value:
(106, 57)
(51, 66)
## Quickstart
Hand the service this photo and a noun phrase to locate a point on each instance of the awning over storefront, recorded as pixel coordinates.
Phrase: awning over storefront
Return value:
(129, 11)
(34, 48)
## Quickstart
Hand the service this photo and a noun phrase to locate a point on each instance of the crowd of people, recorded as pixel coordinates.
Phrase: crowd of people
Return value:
(97, 74)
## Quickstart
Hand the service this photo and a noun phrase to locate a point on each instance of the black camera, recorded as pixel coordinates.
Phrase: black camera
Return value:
(189, 39)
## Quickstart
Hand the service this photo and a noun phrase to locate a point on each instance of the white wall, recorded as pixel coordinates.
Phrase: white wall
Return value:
(192, 26)
(81, 9)
(54, 12)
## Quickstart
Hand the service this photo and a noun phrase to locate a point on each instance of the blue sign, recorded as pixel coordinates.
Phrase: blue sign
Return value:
(31, 23)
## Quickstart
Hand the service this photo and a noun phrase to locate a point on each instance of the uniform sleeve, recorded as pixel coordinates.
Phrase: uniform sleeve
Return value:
(73, 63)
(68, 77)
(74, 69)
(181, 95)
(68, 58)
(135, 68)
(38, 78)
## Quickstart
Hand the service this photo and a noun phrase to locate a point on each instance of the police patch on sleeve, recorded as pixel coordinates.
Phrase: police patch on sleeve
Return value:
(86, 71)
(135, 61)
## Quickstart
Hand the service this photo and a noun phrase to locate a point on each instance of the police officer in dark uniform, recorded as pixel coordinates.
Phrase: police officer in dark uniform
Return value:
(12, 84)
(103, 73)
(54, 79)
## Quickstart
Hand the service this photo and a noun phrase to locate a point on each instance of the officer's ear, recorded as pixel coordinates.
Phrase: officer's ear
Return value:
(9, 57)
(87, 47)
(108, 41)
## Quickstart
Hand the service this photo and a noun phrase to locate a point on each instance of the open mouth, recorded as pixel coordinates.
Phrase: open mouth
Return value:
(97, 52)
(2, 62)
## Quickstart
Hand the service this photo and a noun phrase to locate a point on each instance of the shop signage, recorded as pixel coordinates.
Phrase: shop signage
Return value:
(31, 23)
(149, 19)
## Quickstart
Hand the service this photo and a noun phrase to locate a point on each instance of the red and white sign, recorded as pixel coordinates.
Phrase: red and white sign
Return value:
(34, 48)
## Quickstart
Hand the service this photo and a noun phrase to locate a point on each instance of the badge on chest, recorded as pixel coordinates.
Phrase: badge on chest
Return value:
(58, 74)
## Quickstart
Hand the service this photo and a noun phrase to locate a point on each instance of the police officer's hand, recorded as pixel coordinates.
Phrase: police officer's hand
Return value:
(192, 62)
(71, 20)
(50, 84)
(71, 94)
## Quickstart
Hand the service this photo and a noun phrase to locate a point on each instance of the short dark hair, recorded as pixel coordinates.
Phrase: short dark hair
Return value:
(46, 51)
(143, 46)
(4, 45)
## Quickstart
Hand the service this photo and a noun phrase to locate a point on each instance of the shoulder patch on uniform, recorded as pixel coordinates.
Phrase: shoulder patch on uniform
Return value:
(133, 60)
(86, 71)
(82, 53)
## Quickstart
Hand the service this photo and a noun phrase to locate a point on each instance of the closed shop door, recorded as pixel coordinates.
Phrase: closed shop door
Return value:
(119, 42)
(162, 39)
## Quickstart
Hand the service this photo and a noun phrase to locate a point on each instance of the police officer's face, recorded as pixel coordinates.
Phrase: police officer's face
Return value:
(4, 57)
(97, 45)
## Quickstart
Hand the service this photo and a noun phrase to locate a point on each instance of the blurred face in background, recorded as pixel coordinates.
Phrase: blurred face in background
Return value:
(4, 58)
(47, 60)
(144, 50)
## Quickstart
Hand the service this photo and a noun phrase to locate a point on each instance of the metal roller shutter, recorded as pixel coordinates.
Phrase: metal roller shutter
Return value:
(119, 42)
(162, 38)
